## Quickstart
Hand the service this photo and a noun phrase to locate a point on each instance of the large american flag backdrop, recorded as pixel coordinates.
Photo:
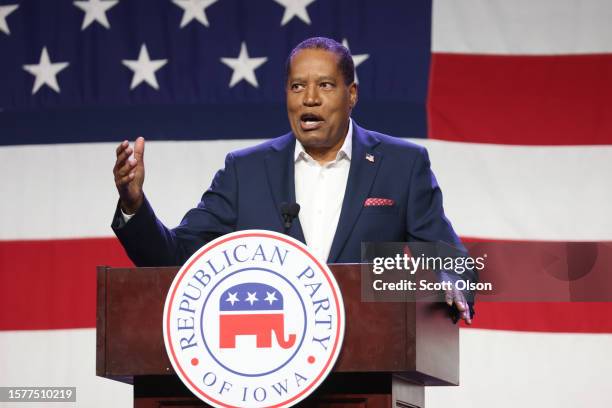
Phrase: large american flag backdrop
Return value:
(512, 99)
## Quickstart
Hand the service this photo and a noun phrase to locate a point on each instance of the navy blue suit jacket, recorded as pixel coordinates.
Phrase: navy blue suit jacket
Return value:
(248, 192)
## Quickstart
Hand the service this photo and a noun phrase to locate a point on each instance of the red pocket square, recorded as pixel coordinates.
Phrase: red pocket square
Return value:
(378, 202)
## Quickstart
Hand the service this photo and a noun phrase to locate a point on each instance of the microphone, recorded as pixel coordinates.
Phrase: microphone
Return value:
(289, 211)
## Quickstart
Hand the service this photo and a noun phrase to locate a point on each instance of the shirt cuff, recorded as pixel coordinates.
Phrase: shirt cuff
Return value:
(126, 217)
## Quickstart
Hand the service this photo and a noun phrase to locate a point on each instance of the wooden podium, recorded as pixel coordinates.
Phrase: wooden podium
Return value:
(390, 351)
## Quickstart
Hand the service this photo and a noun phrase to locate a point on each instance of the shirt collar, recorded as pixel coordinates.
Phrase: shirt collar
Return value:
(345, 150)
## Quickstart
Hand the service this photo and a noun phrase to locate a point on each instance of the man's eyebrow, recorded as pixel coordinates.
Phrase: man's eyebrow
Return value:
(319, 78)
(326, 78)
(295, 79)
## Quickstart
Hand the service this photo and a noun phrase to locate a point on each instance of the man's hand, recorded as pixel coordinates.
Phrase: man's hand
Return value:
(456, 296)
(129, 175)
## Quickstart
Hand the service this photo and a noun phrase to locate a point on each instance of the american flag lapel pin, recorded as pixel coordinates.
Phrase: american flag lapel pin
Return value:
(370, 157)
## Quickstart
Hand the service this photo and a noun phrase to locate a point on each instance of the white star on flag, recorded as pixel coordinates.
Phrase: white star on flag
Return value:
(232, 298)
(144, 68)
(194, 10)
(251, 298)
(271, 297)
(95, 10)
(295, 8)
(45, 72)
(4, 12)
(357, 59)
(244, 67)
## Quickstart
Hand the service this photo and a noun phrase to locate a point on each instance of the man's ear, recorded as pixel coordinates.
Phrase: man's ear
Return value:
(353, 92)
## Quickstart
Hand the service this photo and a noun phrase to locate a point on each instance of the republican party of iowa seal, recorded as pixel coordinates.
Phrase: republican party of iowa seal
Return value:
(253, 319)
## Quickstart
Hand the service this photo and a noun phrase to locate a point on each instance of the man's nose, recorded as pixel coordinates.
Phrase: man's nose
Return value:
(311, 96)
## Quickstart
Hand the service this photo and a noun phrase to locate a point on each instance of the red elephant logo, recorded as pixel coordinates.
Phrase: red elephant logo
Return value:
(252, 309)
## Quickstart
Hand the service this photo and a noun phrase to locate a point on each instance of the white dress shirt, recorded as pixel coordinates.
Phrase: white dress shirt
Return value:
(319, 190)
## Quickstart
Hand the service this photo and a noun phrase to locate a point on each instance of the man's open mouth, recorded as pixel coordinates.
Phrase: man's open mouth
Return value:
(310, 121)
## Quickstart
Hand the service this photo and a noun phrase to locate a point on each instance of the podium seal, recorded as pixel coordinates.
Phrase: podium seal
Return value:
(253, 319)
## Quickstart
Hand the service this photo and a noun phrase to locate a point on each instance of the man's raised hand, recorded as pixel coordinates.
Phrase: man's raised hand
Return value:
(129, 175)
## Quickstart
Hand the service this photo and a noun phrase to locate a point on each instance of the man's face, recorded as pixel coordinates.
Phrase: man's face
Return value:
(318, 101)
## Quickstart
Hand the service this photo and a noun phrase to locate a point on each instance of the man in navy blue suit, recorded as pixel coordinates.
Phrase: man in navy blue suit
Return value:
(353, 185)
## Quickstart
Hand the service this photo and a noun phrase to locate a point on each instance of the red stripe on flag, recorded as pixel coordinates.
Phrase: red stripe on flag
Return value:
(52, 284)
(526, 100)
(594, 317)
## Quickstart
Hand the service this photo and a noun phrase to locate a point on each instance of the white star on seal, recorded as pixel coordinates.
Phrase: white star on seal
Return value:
(271, 297)
(232, 298)
(295, 8)
(251, 298)
(357, 59)
(4, 12)
(45, 72)
(244, 67)
(95, 10)
(194, 10)
(144, 68)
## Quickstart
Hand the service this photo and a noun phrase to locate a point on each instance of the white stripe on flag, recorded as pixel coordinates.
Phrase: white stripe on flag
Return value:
(522, 26)
(61, 358)
(504, 370)
(500, 369)
(490, 191)
(67, 190)
(525, 192)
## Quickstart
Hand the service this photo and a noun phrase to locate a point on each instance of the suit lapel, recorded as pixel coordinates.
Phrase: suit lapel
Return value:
(280, 169)
(361, 176)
